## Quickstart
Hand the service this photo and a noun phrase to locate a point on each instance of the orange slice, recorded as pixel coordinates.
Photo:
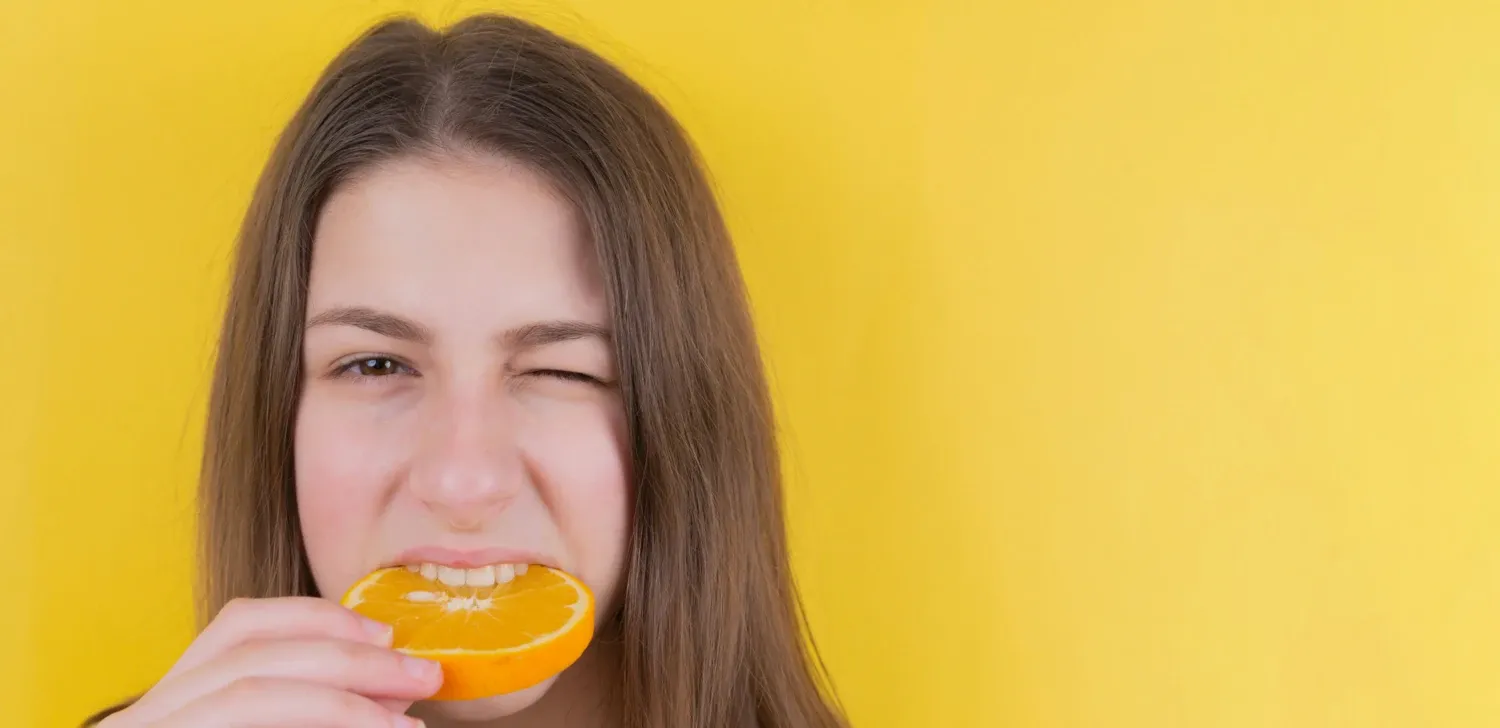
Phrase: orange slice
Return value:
(489, 639)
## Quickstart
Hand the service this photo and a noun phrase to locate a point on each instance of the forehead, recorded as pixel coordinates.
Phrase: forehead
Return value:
(478, 240)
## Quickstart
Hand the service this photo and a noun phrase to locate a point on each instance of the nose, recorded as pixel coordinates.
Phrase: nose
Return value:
(468, 467)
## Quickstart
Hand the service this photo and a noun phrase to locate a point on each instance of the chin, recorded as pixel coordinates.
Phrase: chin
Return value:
(498, 706)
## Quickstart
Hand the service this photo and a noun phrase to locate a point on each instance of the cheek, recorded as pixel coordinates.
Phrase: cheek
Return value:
(340, 469)
(584, 479)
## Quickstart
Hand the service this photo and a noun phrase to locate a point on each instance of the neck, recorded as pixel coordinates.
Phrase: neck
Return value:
(584, 696)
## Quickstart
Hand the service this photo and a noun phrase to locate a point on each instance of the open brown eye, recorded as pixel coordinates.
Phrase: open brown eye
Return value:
(373, 366)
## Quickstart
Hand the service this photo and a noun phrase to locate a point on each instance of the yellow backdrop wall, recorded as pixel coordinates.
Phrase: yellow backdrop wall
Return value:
(1139, 361)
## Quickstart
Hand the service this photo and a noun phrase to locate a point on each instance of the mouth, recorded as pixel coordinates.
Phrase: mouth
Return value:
(470, 568)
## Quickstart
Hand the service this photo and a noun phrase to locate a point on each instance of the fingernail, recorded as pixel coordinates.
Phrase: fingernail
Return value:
(420, 668)
(380, 631)
(402, 721)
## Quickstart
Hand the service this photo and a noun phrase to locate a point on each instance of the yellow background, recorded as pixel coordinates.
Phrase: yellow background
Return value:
(1139, 360)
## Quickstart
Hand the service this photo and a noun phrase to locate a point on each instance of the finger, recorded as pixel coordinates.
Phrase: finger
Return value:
(371, 671)
(394, 705)
(248, 620)
(262, 702)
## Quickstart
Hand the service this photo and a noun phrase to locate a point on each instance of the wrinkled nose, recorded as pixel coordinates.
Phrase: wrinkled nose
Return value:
(468, 467)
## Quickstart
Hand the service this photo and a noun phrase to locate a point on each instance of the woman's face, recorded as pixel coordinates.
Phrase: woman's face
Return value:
(459, 405)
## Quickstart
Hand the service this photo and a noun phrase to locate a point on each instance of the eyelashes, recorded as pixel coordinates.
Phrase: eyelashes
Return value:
(366, 368)
(566, 375)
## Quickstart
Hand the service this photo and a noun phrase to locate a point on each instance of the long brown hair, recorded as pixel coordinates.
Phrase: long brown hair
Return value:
(710, 623)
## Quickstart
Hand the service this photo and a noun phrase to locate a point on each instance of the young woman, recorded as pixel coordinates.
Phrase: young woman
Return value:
(485, 310)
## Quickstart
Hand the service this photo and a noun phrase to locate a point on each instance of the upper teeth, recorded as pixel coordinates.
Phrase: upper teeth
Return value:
(482, 576)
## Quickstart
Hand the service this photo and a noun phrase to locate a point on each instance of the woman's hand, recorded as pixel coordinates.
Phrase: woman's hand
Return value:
(294, 661)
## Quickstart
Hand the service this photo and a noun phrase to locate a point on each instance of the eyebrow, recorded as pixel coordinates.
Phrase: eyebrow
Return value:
(527, 336)
(542, 333)
(386, 324)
